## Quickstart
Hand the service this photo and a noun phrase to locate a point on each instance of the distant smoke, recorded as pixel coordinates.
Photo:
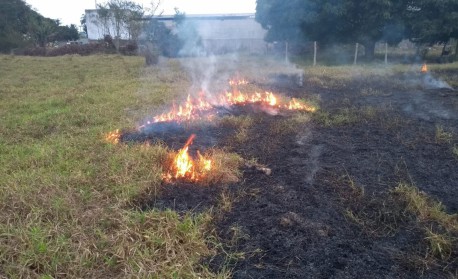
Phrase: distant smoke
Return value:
(430, 82)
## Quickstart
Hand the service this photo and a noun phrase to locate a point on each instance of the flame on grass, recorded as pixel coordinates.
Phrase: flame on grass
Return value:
(237, 81)
(424, 68)
(203, 108)
(192, 109)
(183, 167)
(113, 136)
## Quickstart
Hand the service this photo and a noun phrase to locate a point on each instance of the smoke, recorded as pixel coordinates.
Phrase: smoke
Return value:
(199, 59)
(430, 82)
(414, 78)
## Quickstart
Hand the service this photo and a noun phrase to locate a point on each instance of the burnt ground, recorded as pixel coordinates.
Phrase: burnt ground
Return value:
(361, 144)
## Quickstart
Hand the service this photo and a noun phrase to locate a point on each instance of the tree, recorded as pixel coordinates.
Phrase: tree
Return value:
(122, 16)
(283, 19)
(431, 21)
(331, 21)
(42, 29)
(66, 33)
(21, 26)
(83, 23)
(14, 18)
(157, 38)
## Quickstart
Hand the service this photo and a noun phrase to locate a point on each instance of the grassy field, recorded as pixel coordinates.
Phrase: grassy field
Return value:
(66, 195)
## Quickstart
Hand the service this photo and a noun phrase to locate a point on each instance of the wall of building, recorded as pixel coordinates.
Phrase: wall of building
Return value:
(218, 33)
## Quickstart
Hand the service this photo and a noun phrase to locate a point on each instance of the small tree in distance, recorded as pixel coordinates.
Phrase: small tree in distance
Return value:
(119, 17)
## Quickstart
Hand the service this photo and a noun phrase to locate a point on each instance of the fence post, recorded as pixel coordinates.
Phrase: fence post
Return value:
(356, 54)
(314, 53)
(386, 53)
(286, 51)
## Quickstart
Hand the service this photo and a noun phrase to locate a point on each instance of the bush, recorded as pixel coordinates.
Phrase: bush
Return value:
(87, 49)
(129, 49)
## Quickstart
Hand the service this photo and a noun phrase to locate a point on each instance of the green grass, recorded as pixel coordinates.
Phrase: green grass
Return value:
(346, 116)
(65, 193)
(67, 197)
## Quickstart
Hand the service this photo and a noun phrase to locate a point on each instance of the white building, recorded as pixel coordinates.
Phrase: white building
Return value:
(218, 33)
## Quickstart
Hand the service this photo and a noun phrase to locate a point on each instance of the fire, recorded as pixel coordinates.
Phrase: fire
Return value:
(238, 98)
(296, 105)
(184, 167)
(424, 68)
(234, 82)
(190, 110)
(113, 136)
(198, 108)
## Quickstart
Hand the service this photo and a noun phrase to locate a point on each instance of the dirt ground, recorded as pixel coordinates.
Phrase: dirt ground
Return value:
(371, 135)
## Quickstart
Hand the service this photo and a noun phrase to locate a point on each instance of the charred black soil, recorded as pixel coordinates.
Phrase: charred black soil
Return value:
(327, 209)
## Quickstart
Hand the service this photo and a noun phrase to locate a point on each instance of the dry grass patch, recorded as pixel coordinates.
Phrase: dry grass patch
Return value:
(241, 125)
(346, 116)
(440, 227)
(442, 136)
(226, 167)
(289, 125)
(405, 208)
(455, 150)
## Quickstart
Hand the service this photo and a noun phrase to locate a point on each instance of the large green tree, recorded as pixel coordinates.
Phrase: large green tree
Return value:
(14, 17)
(21, 26)
(432, 21)
(332, 21)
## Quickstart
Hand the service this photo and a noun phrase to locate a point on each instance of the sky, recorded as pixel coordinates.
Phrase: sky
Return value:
(70, 11)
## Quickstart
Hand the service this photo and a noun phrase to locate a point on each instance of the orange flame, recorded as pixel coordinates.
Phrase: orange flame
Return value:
(113, 136)
(197, 108)
(184, 167)
(424, 68)
(296, 105)
(234, 82)
(188, 111)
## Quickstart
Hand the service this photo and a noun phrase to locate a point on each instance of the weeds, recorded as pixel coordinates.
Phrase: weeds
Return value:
(425, 208)
(441, 228)
(455, 150)
(345, 116)
(240, 124)
(443, 136)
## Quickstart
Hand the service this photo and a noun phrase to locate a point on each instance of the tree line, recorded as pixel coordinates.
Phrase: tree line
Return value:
(21, 26)
(424, 22)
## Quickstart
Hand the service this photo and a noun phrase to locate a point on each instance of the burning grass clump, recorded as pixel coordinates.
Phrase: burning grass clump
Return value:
(214, 166)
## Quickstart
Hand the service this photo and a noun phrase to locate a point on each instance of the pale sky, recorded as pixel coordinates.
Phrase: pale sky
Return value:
(70, 11)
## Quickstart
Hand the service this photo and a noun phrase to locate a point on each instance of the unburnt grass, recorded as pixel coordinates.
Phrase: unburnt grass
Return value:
(367, 182)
